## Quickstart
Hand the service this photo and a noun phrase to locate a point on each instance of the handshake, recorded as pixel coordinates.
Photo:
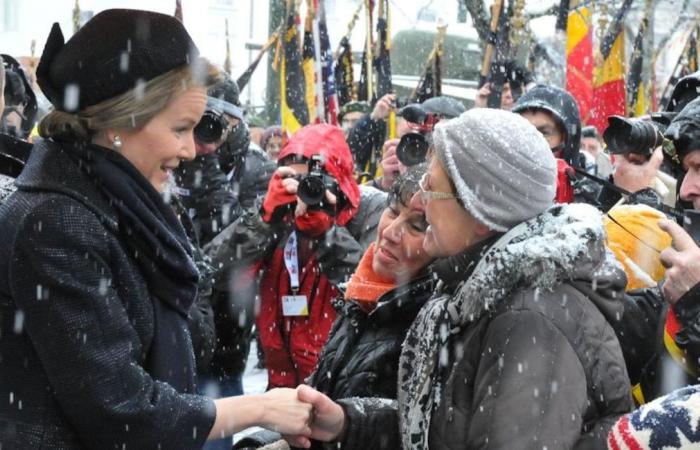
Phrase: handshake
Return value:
(300, 415)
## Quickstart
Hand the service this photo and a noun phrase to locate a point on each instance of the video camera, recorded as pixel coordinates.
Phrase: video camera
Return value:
(637, 135)
(413, 146)
(312, 187)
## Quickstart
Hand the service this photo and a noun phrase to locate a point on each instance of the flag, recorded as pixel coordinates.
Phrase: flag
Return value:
(366, 91)
(328, 77)
(609, 74)
(430, 83)
(344, 78)
(382, 58)
(635, 83)
(579, 60)
(294, 109)
(244, 78)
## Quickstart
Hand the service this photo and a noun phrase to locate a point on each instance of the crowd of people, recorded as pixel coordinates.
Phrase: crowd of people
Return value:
(488, 278)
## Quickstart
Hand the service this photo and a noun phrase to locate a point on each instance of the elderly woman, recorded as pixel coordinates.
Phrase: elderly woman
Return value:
(97, 278)
(519, 354)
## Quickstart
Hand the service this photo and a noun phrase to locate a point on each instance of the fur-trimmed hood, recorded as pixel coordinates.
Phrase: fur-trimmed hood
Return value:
(565, 243)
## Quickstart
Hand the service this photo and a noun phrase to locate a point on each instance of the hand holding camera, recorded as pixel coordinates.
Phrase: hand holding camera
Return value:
(383, 107)
(391, 166)
(281, 193)
(288, 188)
(634, 172)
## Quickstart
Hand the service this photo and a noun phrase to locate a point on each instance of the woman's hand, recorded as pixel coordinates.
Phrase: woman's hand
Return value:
(279, 409)
(285, 413)
(328, 421)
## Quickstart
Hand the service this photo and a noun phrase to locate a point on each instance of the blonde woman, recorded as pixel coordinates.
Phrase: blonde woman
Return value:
(96, 278)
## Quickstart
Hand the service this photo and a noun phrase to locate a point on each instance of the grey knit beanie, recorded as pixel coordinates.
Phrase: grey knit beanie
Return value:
(501, 165)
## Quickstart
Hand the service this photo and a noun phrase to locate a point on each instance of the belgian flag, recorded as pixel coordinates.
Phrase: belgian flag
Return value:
(579, 59)
(294, 110)
(609, 74)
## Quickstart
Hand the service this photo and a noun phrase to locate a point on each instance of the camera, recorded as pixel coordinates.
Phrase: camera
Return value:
(211, 127)
(640, 136)
(413, 146)
(312, 188)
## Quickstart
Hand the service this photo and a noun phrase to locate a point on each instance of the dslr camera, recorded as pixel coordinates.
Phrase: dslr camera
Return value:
(212, 127)
(413, 146)
(637, 135)
(312, 187)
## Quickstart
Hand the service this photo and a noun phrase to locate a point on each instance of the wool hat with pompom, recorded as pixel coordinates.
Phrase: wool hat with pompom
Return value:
(500, 164)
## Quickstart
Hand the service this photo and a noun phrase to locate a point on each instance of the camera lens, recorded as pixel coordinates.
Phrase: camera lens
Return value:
(412, 149)
(311, 190)
(631, 136)
(209, 129)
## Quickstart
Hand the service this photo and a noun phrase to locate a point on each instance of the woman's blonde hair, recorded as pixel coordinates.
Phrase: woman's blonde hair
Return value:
(133, 109)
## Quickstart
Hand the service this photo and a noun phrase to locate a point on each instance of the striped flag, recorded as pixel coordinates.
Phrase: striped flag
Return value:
(294, 109)
(579, 59)
(609, 74)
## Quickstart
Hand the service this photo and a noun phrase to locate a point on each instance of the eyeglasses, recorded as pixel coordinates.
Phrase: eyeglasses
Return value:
(427, 195)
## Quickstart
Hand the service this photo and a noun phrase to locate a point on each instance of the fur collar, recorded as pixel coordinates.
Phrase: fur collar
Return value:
(566, 242)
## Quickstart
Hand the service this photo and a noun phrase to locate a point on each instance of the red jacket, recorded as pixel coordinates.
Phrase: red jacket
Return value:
(292, 344)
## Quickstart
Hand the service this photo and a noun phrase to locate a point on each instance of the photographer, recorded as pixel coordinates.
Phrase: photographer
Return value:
(660, 328)
(227, 175)
(13, 151)
(299, 244)
(19, 115)
(555, 114)
(418, 121)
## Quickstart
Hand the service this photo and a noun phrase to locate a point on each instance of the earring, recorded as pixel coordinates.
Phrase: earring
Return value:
(117, 143)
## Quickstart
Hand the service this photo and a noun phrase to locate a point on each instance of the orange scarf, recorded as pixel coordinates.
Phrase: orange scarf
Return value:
(365, 287)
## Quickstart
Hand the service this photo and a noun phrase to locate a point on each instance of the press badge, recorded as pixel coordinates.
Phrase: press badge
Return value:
(295, 305)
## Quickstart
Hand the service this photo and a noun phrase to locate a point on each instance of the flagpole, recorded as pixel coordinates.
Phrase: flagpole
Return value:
(392, 113)
(318, 77)
(370, 58)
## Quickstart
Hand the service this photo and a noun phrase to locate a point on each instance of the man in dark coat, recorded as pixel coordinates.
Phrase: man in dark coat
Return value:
(13, 151)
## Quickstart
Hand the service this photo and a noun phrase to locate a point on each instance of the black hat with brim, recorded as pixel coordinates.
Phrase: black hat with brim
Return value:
(114, 52)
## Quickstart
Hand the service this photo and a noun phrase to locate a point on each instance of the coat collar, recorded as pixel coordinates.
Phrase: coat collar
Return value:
(51, 169)
(565, 243)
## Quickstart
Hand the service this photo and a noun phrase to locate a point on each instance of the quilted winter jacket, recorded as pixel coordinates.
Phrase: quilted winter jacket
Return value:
(538, 368)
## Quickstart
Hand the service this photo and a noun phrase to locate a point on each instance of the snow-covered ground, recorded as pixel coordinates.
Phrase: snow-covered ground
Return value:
(254, 380)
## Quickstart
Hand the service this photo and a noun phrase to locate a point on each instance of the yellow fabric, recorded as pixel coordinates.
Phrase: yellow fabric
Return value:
(638, 225)
(577, 27)
(613, 68)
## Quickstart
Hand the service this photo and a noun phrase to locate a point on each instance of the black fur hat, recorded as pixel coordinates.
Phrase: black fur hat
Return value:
(111, 54)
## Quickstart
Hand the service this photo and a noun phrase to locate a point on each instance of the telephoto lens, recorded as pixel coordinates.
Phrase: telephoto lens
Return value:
(210, 128)
(625, 136)
(412, 149)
